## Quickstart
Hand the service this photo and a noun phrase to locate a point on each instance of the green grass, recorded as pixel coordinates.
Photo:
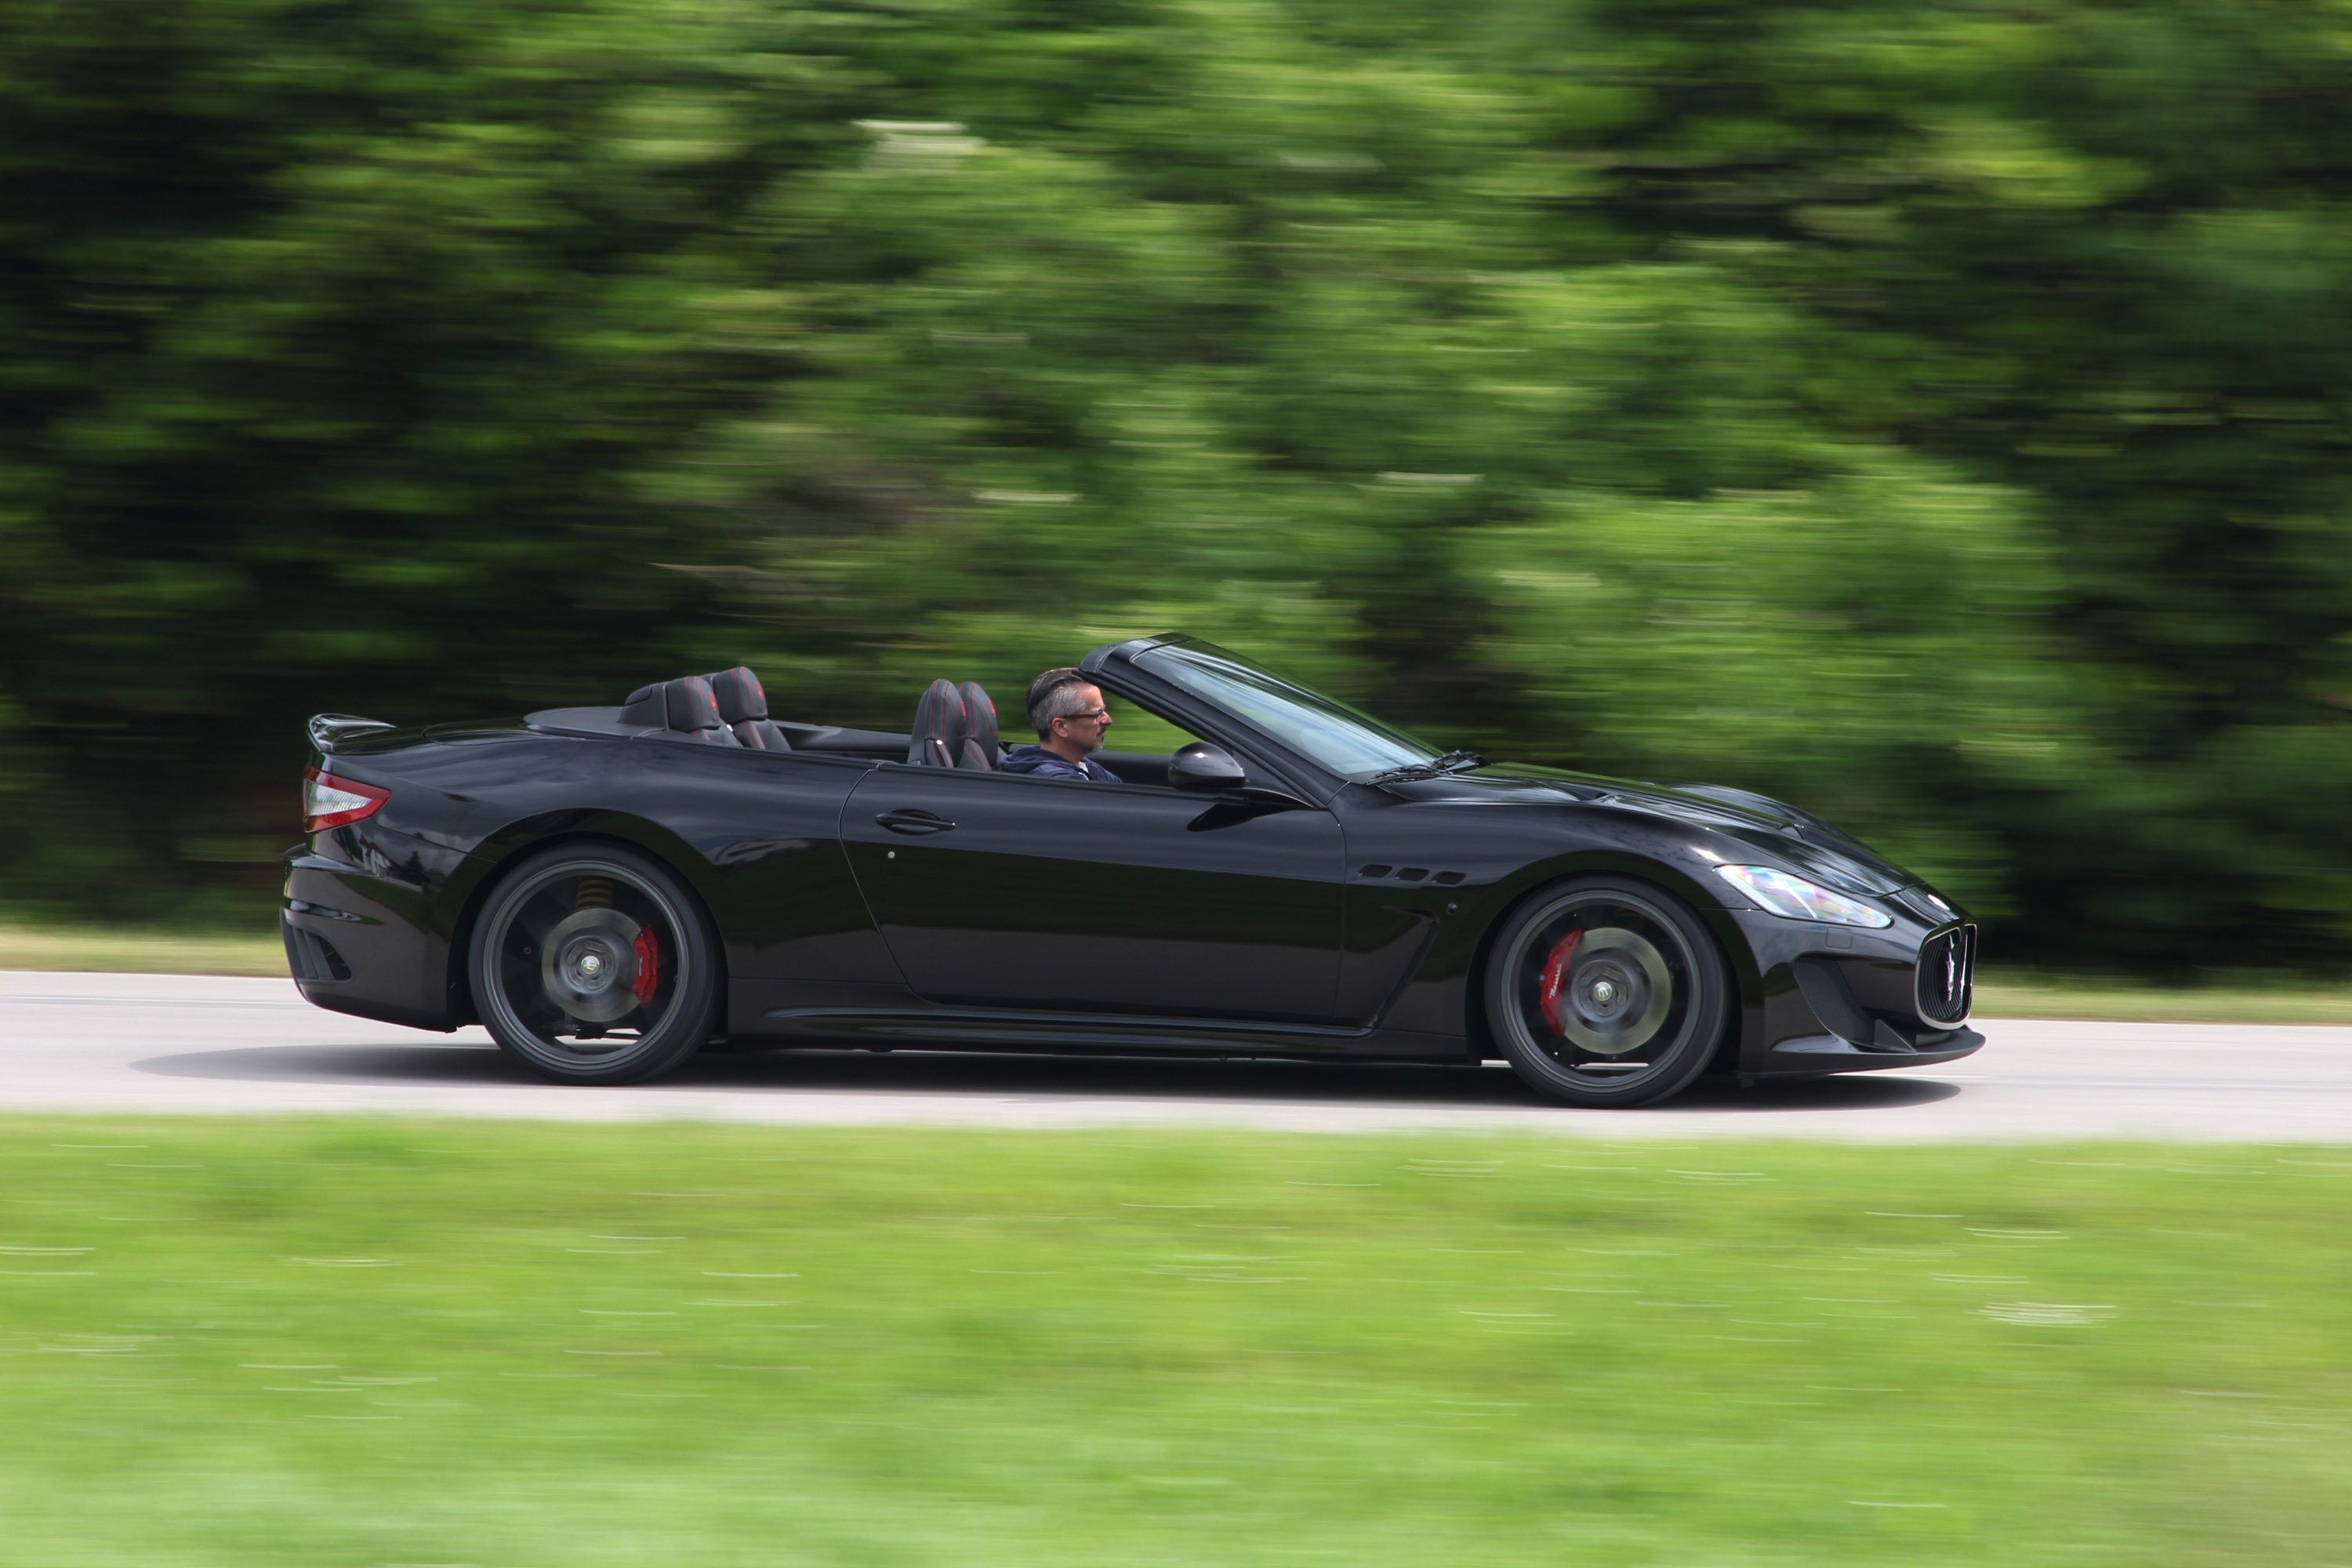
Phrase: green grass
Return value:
(2236, 998)
(132, 951)
(383, 1341)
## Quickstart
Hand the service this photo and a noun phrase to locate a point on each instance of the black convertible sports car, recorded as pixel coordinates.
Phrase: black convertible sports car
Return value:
(607, 889)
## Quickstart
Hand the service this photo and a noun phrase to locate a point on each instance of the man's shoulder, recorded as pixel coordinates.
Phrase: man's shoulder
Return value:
(1042, 763)
(1039, 761)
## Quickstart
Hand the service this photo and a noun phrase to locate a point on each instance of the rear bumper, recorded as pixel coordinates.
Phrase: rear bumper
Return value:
(369, 945)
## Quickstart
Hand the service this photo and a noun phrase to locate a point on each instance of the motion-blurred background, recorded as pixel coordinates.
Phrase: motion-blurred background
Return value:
(1931, 412)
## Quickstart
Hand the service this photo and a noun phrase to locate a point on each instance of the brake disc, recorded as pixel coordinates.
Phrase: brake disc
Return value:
(588, 965)
(1617, 992)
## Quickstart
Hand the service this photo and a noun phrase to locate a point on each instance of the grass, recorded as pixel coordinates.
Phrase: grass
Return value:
(2235, 998)
(134, 951)
(383, 1341)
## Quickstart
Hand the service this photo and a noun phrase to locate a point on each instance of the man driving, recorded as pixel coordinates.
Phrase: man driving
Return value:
(1069, 713)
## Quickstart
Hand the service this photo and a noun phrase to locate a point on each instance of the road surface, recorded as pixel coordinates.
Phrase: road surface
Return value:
(143, 1043)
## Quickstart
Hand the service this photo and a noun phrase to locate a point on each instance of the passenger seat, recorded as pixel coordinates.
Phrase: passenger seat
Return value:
(981, 748)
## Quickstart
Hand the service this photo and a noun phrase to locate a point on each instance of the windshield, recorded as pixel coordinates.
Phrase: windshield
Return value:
(1308, 723)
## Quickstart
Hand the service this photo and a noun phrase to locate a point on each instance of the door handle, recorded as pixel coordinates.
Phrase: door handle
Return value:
(908, 820)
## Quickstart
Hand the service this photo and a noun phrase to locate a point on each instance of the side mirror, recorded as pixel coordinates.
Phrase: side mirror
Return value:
(1201, 767)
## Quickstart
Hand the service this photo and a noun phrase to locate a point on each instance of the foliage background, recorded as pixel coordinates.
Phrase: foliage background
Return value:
(1934, 413)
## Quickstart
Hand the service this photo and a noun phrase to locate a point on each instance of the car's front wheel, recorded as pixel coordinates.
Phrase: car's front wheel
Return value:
(593, 964)
(1605, 992)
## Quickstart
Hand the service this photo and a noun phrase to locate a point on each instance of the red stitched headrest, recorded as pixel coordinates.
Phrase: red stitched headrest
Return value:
(691, 704)
(741, 698)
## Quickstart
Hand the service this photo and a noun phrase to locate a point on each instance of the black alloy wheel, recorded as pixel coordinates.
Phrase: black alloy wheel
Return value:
(592, 963)
(1606, 992)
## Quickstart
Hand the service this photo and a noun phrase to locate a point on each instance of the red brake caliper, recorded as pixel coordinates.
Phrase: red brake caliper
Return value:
(1554, 977)
(648, 966)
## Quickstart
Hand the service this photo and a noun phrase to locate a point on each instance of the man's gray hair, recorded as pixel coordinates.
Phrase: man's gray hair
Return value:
(1055, 695)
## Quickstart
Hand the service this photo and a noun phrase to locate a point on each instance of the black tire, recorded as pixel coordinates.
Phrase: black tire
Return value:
(1605, 992)
(592, 963)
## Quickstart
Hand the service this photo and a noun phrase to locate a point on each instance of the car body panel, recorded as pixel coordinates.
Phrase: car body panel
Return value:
(1061, 896)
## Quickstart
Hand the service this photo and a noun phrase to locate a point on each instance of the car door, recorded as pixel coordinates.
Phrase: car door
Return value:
(1002, 890)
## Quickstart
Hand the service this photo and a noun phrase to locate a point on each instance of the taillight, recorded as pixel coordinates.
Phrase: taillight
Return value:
(329, 802)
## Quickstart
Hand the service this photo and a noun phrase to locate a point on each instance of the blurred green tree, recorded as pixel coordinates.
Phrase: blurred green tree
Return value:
(1928, 413)
(2086, 249)
(329, 338)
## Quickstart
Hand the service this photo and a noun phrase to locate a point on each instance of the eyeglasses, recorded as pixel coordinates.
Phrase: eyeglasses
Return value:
(1087, 718)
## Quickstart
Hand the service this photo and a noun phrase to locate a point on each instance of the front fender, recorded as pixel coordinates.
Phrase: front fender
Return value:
(1690, 881)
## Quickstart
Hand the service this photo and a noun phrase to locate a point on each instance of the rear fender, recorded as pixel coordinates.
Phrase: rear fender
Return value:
(495, 854)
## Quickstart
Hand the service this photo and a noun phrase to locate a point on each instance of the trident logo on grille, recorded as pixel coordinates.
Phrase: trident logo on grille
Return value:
(1952, 968)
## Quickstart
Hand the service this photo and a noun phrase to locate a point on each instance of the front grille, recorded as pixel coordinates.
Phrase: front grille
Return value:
(1947, 975)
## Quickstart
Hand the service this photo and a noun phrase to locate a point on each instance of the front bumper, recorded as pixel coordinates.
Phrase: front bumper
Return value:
(1841, 999)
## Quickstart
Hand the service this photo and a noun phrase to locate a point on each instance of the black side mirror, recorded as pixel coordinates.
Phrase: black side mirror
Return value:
(1201, 767)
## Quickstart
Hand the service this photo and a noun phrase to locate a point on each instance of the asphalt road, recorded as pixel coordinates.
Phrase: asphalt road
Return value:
(143, 1043)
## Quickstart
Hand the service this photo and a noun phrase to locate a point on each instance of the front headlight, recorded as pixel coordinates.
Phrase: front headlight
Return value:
(1799, 899)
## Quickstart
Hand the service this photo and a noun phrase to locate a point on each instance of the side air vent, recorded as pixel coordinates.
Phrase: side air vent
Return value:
(1824, 987)
(1947, 976)
(1414, 874)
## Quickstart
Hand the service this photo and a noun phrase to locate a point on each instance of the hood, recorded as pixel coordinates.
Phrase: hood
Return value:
(1822, 851)
(1778, 830)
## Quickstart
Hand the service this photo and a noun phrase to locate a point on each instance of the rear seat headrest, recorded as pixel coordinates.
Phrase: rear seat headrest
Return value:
(743, 707)
(646, 708)
(693, 705)
(741, 698)
(942, 727)
(687, 705)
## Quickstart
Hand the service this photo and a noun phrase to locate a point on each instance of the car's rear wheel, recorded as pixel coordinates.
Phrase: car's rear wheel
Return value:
(593, 964)
(1605, 992)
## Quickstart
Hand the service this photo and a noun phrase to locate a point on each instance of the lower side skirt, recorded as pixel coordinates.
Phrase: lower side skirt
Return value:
(985, 1031)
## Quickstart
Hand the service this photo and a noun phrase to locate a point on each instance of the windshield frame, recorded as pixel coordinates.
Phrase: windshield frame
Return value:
(1332, 736)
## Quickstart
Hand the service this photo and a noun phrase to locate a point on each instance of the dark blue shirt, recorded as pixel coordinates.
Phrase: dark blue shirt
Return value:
(1045, 764)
